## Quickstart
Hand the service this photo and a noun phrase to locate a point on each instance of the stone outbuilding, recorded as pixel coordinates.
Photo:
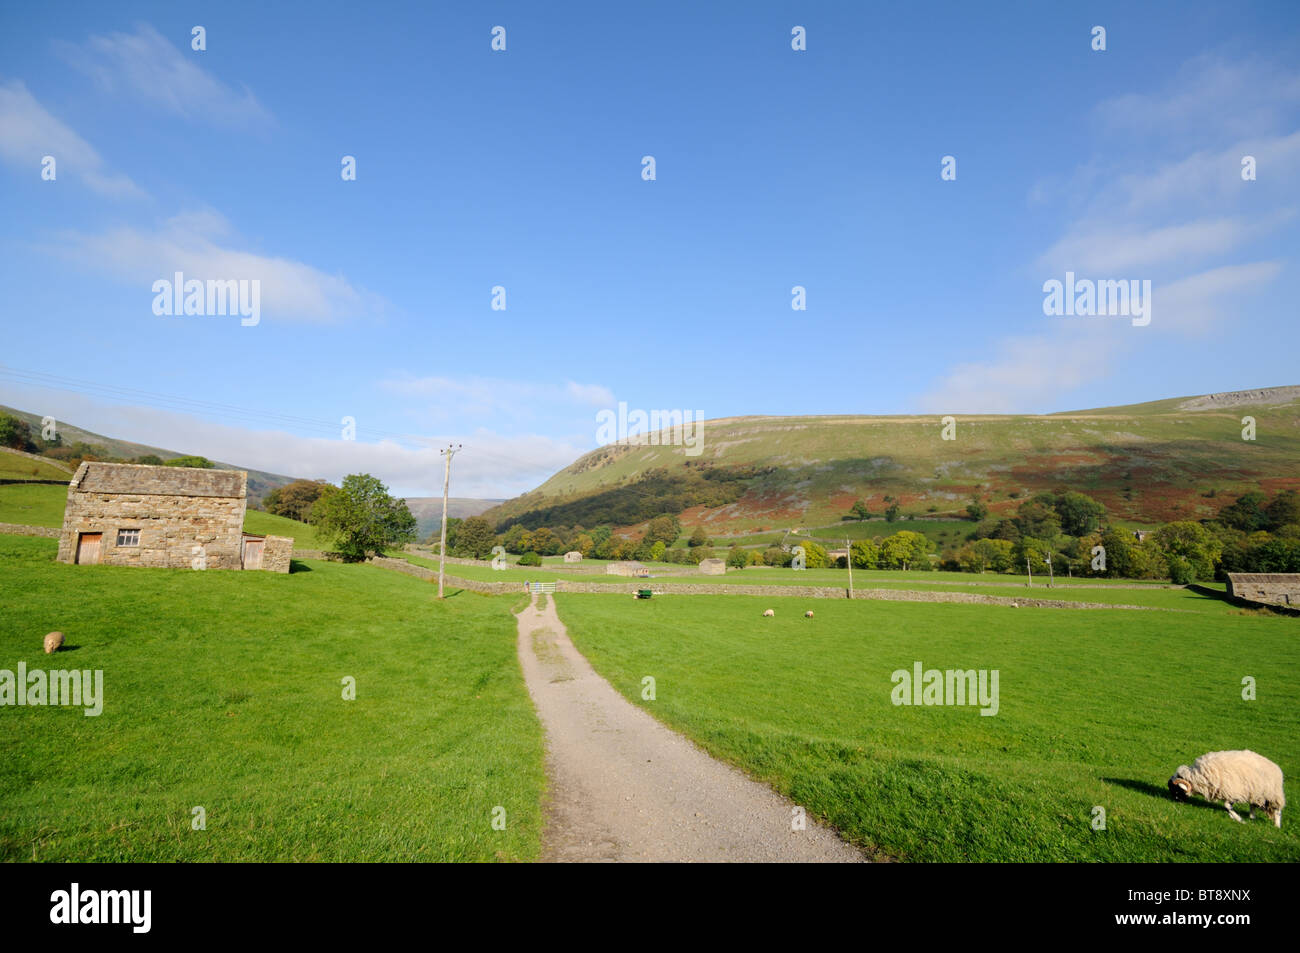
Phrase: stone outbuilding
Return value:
(1274, 588)
(573, 556)
(627, 567)
(126, 514)
(713, 567)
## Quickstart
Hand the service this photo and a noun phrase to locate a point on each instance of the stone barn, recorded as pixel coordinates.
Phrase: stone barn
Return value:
(573, 556)
(713, 567)
(626, 567)
(1274, 588)
(126, 514)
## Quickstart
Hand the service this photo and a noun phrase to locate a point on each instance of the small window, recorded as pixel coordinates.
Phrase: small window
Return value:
(128, 537)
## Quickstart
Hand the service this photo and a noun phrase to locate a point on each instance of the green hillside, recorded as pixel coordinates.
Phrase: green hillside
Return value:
(260, 482)
(1148, 463)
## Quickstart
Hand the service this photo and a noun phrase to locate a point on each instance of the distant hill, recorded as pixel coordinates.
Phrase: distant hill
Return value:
(428, 510)
(1148, 463)
(260, 482)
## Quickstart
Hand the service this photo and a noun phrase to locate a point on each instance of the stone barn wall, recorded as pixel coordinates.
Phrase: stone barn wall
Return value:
(174, 508)
(277, 552)
(1272, 588)
(713, 567)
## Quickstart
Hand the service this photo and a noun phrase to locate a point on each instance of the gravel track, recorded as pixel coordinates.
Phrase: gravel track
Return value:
(625, 788)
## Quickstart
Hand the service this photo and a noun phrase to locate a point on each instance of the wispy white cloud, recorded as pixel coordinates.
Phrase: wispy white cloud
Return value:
(1116, 250)
(594, 394)
(482, 398)
(199, 244)
(492, 465)
(147, 66)
(1025, 375)
(1161, 199)
(29, 132)
(1197, 303)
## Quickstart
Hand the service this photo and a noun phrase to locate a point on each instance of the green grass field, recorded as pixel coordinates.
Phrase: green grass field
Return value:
(33, 505)
(303, 534)
(1097, 709)
(15, 466)
(224, 690)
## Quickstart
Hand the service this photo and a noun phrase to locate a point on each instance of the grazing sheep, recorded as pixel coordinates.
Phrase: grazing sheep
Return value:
(53, 642)
(1233, 777)
(808, 614)
(769, 612)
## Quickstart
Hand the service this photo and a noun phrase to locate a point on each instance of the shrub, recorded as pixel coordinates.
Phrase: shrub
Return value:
(1181, 571)
(530, 558)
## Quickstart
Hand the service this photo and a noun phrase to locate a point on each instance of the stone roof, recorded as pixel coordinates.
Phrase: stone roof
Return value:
(1283, 577)
(138, 478)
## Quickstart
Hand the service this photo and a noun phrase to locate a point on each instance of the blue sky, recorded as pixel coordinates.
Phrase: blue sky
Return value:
(522, 169)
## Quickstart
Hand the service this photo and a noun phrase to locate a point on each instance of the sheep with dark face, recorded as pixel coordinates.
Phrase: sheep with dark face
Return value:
(1233, 777)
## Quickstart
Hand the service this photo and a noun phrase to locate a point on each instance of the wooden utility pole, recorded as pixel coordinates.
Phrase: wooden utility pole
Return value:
(848, 561)
(446, 483)
(1051, 576)
(1029, 569)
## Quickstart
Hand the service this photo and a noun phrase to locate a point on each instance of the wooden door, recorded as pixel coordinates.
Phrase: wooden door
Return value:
(88, 548)
(253, 553)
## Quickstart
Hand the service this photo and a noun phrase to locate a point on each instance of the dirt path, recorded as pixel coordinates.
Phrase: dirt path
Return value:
(625, 788)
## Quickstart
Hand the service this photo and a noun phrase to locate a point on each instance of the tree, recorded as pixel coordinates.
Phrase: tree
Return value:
(1284, 510)
(15, 433)
(360, 517)
(976, 510)
(153, 460)
(1079, 514)
(202, 463)
(1245, 513)
(475, 539)
(1191, 542)
(293, 500)
(545, 542)
(904, 549)
(513, 541)
(815, 555)
(891, 512)
(663, 529)
(859, 510)
(986, 554)
(1036, 518)
(865, 554)
(776, 556)
(530, 558)
(1034, 551)
(657, 551)
(699, 537)
(737, 558)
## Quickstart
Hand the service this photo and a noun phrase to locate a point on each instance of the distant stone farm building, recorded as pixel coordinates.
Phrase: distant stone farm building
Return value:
(1275, 588)
(573, 556)
(713, 567)
(626, 567)
(126, 514)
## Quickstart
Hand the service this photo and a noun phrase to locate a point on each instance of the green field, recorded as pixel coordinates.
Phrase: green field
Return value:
(1097, 708)
(303, 534)
(33, 505)
(224, 690)
(15, 466)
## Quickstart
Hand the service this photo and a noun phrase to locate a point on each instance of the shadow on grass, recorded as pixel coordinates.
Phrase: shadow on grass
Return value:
(1158, 791)
(298, 566)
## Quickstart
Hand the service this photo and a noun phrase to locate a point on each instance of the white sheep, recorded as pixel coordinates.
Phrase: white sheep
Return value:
(808, 614)
(1233, 777)
(768, 613)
